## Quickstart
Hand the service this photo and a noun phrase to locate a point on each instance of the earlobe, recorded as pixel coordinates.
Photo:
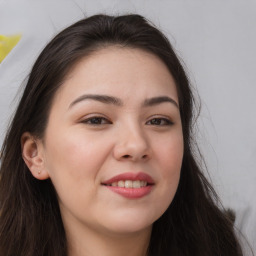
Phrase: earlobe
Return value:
(32, 153)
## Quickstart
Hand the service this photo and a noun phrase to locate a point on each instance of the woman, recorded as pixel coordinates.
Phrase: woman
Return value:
(99, 158)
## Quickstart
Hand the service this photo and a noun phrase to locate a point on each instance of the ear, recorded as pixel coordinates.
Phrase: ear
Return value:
(32, 153)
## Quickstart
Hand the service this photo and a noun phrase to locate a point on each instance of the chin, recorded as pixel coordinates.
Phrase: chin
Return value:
(129, 222)
(126, 230)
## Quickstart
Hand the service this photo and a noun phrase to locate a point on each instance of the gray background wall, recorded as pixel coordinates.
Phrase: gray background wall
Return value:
(217, 41)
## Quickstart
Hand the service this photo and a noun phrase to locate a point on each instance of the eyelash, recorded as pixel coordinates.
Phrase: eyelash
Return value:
(161, 119)
(97, 120)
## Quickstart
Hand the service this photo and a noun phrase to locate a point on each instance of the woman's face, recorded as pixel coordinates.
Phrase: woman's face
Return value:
(113, 146)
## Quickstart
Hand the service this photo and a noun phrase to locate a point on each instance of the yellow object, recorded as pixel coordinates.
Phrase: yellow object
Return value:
(7, 43)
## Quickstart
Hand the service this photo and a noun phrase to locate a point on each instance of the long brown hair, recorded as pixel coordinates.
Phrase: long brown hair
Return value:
(30, 220)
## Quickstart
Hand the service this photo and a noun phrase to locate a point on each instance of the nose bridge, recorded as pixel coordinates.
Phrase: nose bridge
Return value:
(132, 142)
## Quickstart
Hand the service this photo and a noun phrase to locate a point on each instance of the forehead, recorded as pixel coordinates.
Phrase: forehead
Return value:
(120, 72)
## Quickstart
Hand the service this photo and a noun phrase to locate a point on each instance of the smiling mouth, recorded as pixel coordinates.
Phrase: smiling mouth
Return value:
(129, 184)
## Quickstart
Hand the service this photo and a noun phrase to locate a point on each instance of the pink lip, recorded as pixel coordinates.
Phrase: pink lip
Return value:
(131, 193)
(130, 176)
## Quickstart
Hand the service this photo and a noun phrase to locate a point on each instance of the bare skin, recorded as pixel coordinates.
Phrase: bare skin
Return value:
(91, 138)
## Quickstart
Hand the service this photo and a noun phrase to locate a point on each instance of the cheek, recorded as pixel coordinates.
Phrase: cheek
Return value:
(76, 157)
(74, 154)
(170, 154)
(73, 161)
(169, 161)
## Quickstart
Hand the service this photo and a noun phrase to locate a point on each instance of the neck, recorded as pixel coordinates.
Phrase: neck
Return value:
(89, 242)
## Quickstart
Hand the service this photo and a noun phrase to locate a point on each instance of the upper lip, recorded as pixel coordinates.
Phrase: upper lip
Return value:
(130, 176)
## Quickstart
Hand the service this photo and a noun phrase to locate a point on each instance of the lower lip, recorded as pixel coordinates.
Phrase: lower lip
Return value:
(131, 193)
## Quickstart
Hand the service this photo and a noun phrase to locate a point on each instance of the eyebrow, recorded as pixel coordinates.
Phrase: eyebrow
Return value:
(118, 102)
(158, 100)
(101, 98)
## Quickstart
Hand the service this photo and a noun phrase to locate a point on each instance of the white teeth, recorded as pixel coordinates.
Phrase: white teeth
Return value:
(129, 184)
(120, 183)
(114, 184)
(136, 184)
(143, 183)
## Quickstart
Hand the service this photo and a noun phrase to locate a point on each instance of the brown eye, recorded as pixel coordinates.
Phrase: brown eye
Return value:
(159, 121)
(96, 121)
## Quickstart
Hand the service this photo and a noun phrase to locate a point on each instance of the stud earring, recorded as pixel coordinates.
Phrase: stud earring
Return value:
(39, 172)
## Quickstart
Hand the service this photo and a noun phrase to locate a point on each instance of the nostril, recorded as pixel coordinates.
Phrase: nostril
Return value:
(128, 156)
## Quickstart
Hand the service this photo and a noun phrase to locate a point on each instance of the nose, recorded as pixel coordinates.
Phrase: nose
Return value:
(132, 145)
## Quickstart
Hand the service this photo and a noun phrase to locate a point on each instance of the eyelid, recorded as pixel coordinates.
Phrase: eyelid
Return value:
(86, 119)
(89, 117)
(161, 117)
